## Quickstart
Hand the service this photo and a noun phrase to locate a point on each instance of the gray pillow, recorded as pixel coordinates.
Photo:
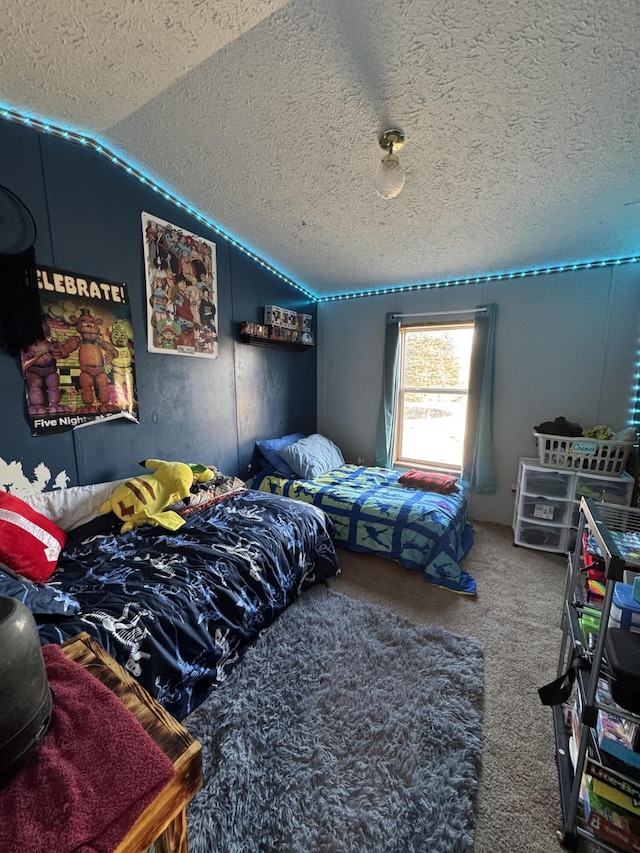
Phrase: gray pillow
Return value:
(271, 448)
(312, 456)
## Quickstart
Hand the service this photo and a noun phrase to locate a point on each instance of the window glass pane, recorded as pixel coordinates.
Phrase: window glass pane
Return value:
(432, 399)
(437, 359)
(433, 428)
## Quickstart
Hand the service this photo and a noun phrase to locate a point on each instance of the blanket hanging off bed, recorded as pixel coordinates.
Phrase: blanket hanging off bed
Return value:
(374, 514)
(95, 772)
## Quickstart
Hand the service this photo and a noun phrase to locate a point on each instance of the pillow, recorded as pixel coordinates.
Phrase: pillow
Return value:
(29, 543)
(69, 508)
(39, 598)
(312, 456)
(270, 450)
(429, 481)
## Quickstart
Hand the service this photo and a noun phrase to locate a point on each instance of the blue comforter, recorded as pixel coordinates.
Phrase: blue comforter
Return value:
(375, 514)
(178, 609)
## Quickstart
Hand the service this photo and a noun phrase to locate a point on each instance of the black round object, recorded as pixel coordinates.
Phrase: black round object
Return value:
(17, 226)
(25, 704)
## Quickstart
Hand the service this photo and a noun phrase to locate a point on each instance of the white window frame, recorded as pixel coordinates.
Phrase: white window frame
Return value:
(404, 389)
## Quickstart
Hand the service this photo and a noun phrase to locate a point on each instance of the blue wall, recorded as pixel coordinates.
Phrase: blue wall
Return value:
(87, 212)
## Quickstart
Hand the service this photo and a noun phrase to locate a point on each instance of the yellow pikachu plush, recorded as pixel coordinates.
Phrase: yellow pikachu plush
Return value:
(143, 500)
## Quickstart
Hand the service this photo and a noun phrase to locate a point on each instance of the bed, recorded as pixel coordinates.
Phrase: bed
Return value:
(178, 609)
(371, 510)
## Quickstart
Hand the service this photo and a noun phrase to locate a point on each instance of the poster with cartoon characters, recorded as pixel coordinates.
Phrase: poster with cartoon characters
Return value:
(82, 370)
(182, 295)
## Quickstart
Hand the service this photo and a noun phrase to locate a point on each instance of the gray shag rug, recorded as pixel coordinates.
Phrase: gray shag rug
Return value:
(345, 728)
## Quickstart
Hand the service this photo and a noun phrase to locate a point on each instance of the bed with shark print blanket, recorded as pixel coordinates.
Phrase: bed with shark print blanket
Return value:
(179, 608)
(372, 512)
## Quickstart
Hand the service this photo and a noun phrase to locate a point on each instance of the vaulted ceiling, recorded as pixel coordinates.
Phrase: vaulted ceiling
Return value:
(521, 118)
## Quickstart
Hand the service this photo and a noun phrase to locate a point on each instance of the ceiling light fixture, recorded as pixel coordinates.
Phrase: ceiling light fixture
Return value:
(390, 177)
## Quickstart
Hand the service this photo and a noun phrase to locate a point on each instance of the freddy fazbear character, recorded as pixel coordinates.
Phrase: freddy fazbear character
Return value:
(93, 355)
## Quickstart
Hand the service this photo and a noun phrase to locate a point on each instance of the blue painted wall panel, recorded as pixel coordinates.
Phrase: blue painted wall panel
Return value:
(88, 214)
(266, 406)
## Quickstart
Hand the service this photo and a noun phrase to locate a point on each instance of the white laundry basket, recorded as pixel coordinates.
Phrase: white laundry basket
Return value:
(583, 454)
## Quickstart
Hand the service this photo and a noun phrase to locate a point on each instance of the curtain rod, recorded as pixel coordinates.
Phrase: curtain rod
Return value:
(441, 313)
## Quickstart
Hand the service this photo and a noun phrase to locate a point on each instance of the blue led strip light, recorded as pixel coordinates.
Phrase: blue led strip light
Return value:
(74, 136)
(634, 408)
(89, 142)
(503, 276)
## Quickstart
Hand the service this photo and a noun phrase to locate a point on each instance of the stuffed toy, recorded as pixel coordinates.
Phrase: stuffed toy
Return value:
(144, 499)
(201, 473)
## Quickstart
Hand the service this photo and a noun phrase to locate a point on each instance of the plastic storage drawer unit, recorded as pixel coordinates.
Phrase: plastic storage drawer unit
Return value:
(604, 490)
(550, 483)
(540, 536)
(547, 505)
(543, 509)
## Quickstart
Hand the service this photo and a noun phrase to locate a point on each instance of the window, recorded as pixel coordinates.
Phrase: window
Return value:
(433, 388)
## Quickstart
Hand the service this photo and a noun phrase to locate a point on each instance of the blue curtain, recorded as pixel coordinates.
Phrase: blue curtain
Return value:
(385, 433)
(478, 466)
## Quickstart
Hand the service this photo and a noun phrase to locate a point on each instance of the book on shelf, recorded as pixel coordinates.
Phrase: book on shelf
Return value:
(618, 799)
(611, 783)
(604, 797)
(611, 725)
(574, 734)
(615, 749)
(613, 778)
(611, 825)
(617, 736)
(618, 756)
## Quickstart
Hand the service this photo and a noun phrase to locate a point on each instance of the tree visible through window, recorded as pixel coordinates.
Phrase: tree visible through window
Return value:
(432, 394)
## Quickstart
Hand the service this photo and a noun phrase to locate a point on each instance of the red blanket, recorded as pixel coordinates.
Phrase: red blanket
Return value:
(96, 771)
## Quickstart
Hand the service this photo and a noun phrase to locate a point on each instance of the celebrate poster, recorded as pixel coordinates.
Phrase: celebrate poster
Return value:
(83, 369)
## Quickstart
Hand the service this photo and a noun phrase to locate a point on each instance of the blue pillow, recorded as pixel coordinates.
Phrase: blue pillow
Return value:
(38, 597)
(270, 448)
(313, 456)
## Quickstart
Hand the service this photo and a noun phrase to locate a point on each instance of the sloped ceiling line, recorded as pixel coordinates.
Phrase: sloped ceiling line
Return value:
(520, 118)
(102, 149)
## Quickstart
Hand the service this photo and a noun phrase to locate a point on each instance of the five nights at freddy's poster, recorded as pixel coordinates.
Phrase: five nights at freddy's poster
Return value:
(83, 369)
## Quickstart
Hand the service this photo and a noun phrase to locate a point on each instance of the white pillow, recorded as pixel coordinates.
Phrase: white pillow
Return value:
(312, 456)
(69, 508)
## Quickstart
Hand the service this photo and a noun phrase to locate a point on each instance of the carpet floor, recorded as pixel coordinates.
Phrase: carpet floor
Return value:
(346, 728)
(516, 616)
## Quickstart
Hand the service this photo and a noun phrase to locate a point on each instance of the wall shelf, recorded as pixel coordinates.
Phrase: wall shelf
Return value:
(259, 341)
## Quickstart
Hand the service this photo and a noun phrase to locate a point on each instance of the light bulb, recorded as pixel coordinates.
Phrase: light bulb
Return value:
(390, 178)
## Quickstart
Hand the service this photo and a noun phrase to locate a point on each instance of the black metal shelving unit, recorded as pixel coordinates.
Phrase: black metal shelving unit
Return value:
(598, 520)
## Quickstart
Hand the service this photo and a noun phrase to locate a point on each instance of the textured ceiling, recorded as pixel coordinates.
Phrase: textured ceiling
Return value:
(521, 118)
